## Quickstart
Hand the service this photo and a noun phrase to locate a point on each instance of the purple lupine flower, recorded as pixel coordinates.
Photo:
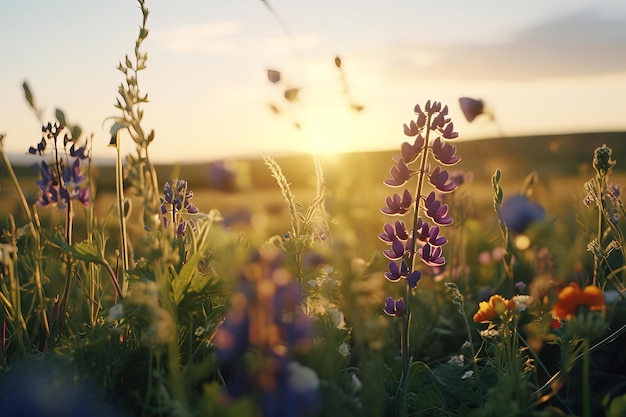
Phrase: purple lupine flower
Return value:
(176, 207)
(411, 152)
(436, 211)
(471, 108)
(440, 179)
(390, 233)
(400, 174)
(431, 255)
(397, 205)
(395, 251)
(395, 308)
(448, 132)
(62, 180)
(430, 235)
(396, 272)
(444, 152)
(421, 239)
(413, 278)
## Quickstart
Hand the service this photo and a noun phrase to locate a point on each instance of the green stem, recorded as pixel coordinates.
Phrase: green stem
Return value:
(119, 189)
(585, 379)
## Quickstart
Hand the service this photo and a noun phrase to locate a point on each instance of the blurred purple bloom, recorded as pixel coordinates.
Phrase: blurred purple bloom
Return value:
(440, 179)
(444, 152)
(436, 211)
(400, 174)
(471, 108)
(518, 212)
(222, 175)
(265, 315)
(395, 308)
(397, 205)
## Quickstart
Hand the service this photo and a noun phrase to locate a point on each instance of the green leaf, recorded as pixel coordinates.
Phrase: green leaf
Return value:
(29, 95)
(86, 251)
(181, 281)
(422, 380)
(58, 113)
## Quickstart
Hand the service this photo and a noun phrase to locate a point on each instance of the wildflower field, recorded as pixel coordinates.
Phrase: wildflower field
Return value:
(442, 278)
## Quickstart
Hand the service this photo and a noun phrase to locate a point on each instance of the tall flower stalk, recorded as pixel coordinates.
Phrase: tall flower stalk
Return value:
(418, 247)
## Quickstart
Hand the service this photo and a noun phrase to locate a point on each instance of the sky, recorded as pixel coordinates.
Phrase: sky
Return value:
(541, 68)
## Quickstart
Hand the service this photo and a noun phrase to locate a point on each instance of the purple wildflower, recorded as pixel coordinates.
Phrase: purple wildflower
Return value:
(397, 205)
(437, 211)
(61, 180)
(431, 255)
(444, 152)
(440, 179)
(396, 250)
(390, 233)
(421, 239)
(396, 272)
(400, 174)
(176, 206)
(411, 152)
(395, 308)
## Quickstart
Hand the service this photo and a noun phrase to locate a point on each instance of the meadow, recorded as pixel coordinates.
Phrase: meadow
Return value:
(441, 278)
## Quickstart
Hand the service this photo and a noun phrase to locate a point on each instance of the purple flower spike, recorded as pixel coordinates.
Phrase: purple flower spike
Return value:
(400, 174)
(436, 211)
(431, 255)
(413, 278)
(471, 108)
(411, 152)
(397, 205)
(444, 152)
(440, 179)
(396, 251)
(395, 308)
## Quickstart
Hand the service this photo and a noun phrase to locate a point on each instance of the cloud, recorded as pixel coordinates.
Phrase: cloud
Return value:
(579, 44)
(207, 37)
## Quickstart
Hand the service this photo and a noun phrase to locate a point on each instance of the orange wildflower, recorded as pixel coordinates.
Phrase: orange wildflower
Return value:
(572, 297)
(490, 310)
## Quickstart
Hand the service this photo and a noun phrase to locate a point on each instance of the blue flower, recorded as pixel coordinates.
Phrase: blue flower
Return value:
(519, 212)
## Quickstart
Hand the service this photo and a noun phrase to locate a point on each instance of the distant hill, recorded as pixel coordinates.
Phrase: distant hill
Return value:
(561, 154)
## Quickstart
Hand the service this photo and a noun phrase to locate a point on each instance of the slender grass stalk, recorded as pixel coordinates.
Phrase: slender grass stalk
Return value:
(585, 379)
(119, 193)
(34, 227)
